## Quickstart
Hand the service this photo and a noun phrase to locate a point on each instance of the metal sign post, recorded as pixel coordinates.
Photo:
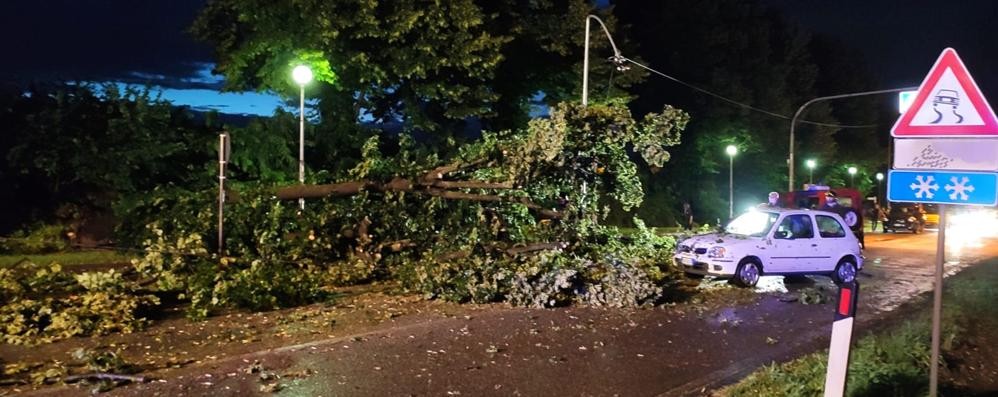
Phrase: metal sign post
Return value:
(840, 346)
(224, 149)
(937, 301)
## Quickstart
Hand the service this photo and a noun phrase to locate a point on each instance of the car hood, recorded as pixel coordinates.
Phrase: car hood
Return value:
(718, 239)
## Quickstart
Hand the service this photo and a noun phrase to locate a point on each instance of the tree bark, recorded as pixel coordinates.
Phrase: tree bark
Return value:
(433, 188)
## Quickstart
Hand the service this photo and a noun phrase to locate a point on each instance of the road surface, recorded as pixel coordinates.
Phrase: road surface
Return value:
(685, 349)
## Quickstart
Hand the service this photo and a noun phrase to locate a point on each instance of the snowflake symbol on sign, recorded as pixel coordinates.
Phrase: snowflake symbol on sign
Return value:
(959, 188)
(924, 186)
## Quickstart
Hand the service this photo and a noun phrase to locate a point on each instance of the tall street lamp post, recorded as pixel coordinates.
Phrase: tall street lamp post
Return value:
(302, 75)
(852, 173)
(810, 166)
(732, 150)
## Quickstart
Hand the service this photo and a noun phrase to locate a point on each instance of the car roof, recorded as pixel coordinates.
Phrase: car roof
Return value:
(782, 210)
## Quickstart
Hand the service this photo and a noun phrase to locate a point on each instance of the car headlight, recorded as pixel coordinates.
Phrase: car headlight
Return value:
(716, 252)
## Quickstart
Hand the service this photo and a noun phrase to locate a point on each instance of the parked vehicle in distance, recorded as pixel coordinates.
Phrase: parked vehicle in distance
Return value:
(905, 217)
(775, 241)
(930, 215)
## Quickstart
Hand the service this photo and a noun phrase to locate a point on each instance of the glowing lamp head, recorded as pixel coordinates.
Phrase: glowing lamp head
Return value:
(880, 176)
(852, 170)
(302, 74)
(732, 150)
(810, 164)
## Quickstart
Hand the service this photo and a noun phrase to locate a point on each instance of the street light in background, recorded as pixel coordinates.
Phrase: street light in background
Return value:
(302, 75)
(852, 173)
(880, 186)
(732, 150)
(810, 167)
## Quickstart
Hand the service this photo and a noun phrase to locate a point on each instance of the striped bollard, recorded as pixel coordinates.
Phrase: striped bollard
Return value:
(838, 349)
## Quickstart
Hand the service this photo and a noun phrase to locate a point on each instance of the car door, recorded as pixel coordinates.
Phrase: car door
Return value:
(832, 242)
(794, 245)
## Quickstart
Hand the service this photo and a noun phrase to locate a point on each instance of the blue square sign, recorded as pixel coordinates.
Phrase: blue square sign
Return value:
(939, 187)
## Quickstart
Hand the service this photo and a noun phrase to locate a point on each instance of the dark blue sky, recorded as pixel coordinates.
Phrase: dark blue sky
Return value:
(128, 41)
(146, 42)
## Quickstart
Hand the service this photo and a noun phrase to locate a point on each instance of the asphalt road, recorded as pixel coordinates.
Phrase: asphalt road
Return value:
(671, 350)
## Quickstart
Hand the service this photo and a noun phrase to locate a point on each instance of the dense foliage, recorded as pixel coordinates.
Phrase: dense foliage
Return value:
(71, 151)
(42, 303)
(431, 65)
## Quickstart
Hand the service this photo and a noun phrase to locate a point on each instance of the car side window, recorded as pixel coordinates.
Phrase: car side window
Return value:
(796, 226)
(829, 227)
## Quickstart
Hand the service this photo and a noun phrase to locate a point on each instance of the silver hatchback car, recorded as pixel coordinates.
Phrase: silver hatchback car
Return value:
(767, 241)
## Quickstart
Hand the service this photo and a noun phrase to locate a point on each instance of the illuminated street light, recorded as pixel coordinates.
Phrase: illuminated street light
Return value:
(852, 173)
(302, 75)
(810, 166)
(732, 151)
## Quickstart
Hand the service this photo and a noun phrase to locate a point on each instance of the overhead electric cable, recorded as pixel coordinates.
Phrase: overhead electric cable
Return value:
(736, 103)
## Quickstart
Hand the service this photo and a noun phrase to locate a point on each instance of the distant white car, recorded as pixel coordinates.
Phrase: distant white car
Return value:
(779, 241)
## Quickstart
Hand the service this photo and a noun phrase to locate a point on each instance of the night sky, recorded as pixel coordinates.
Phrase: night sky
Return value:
(146, 42)
(902, 39)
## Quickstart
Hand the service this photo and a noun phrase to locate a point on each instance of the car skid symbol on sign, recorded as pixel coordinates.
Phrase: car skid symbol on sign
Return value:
(946, 97)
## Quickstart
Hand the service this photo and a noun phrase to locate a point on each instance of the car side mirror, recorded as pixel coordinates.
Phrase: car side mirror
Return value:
(781, 234)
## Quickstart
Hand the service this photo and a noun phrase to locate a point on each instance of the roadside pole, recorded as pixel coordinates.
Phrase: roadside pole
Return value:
(224, 149)
(937, 301)
(841, 344)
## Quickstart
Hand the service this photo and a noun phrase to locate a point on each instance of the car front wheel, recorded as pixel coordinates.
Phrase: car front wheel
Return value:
(845, 272)
(747, 274)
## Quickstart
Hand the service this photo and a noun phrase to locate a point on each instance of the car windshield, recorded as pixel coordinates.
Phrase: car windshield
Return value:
(752, 223)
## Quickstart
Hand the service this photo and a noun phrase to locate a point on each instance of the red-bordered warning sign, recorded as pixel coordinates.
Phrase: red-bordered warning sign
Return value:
(948, 104)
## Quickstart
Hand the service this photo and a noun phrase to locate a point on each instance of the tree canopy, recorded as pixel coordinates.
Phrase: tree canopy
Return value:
(431, 65)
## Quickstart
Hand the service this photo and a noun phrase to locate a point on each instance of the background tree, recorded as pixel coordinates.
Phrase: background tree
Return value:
(745, 52)
(432, 66)
(71, 152)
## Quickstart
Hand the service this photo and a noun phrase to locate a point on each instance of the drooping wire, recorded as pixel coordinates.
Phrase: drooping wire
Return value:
(621, 58)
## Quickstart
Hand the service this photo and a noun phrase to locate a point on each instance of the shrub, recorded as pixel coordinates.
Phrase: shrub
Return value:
(40, 240)
(43, 304)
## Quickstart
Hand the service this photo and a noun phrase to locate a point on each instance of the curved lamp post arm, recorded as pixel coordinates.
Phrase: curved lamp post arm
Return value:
(585, 56)
(793, 122)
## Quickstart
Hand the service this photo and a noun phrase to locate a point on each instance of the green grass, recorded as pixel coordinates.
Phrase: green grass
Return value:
(68, 258)
(893, 362)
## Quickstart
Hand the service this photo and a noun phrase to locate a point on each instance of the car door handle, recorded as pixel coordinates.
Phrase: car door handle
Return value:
(814, 245)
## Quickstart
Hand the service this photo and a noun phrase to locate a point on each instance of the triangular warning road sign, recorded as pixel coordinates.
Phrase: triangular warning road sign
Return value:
(948, 104)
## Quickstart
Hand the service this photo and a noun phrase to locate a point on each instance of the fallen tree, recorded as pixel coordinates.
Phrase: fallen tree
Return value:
(515, 215)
